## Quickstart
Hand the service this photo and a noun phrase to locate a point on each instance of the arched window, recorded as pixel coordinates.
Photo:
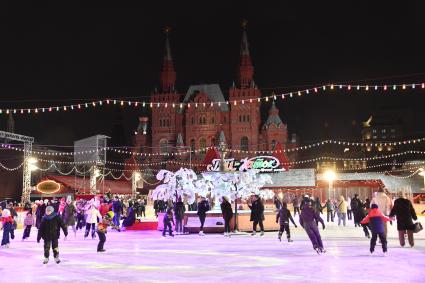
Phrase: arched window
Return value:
(200, 120)
(213, 142)
(273, 144)
(202, 144)
(192, 144)
(247, 118)
(204, 120)
(212, 120)
(240, 118)
(244, 143)
(193, 120)
(163, 146)
(160, 122)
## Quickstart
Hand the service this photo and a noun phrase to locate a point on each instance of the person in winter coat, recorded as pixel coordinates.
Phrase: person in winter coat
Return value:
(356, 204)
(384, 203)
(68, 215)
(342, 210)
(362, 214)
(405, 213)
(284, 215)
(49, 226)
(318, 205)
(257, 214)
(7, 226)
(28, 223)
(92, 218)
(296, 202)
(117, 208)
(349, 209)
(131, 217)
(226, 210)
(104, 208)
(308, 219)
(203, 207)
(179, 211)
(168, 219)
(102, 229)
(41, 210)
(143, 208)
(329, 210)
(376, 220)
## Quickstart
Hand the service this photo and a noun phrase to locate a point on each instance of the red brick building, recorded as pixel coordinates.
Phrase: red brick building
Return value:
(202, 125)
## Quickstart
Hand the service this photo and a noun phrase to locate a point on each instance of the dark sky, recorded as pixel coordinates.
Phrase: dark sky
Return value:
(83, 50)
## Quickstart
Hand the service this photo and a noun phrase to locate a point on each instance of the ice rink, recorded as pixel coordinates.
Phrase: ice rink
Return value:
(144, 256)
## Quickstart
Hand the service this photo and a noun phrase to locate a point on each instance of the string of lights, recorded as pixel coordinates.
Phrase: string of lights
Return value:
(181, 152)
(147, 104)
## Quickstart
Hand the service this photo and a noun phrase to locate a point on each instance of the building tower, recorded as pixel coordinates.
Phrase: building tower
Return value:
(274, 130)
(245, 109)
(165, 120)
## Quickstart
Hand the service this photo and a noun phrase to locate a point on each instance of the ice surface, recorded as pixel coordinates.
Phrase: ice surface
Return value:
(144, 256)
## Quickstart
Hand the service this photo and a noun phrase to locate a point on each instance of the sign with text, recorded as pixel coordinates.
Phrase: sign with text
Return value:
(261, 163)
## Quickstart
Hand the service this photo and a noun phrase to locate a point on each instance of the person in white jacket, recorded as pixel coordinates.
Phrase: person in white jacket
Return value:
(93, 216)
(384, 204)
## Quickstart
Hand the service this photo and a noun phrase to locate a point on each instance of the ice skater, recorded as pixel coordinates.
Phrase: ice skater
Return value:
(284, 215)
(376, 220)
(226, 210)
(92, 217)
(308, 218)
(8, 230)
(203, 207)
(102, 229)
(257, 214)
(168, 219)
(49, 232)
(28, 223)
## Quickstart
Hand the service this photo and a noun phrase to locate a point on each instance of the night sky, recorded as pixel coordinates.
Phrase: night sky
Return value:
(54, 53)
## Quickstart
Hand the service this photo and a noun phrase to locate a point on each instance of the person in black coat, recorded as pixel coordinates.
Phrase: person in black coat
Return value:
(203, 207)
(49, 231)
(226, 210)
(405, 213)
(179, 211)
(284, 215)
(117, 208)
(257, 214)
(356, 204)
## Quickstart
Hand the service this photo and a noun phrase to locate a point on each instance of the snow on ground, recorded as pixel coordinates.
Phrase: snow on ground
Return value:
(144, 256)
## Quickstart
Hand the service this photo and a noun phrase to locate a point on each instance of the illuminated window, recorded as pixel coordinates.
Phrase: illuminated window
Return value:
(163, 146)
(273, 144)
(202, 144)
(192, 144)
(244, 143)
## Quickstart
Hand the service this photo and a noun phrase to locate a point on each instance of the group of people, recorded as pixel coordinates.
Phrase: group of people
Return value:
(51, 216)
(95, 215)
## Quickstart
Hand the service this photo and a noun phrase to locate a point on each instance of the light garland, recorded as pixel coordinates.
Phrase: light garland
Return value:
(144, 104)
(184, 152)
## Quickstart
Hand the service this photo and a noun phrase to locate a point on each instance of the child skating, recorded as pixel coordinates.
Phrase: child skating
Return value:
(49, 232)
(8, 230)
(308, 218)
(28, 222)
(102, 229)
(284, 215)
(168, 219)
(376, 220)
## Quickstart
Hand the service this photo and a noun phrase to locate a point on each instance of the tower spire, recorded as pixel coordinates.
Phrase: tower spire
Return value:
(168, 75)
(246, 70)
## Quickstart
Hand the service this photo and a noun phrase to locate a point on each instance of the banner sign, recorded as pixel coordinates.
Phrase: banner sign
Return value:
(261, 163)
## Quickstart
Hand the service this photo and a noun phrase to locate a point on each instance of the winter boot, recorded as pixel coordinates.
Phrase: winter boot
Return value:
(46, 260)
(57, 260)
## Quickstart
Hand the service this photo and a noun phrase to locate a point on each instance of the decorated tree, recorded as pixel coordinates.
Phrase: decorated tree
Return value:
(176, 184)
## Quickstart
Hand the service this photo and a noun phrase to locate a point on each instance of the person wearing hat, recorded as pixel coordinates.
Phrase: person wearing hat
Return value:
(309, 218)
(376, 220)
(49, 232)
(384, 203)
